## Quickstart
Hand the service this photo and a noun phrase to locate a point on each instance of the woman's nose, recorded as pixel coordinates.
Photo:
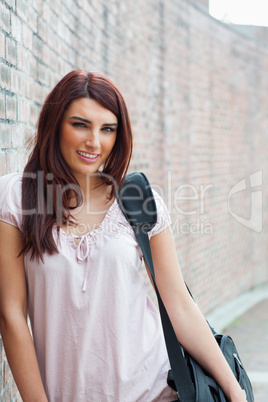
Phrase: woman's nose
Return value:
(93, 139)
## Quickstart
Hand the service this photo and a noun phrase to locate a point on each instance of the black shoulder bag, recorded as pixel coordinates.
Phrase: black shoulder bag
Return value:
(187, 377)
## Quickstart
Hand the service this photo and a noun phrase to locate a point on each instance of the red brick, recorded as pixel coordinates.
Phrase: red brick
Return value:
(5, 18)
(33, 69)
(17, 136)
(32, 19)
(22, 59)
(11, 107)
(5, 137)
(11, 51)
(2, 106)
(27, 36)
(16, 82)
(22, 6)
(2, 45)
(38, 93)
(5, 76)
(28, 88)
(22, 111)
(34, 113)
(11, 161)
(42, 30)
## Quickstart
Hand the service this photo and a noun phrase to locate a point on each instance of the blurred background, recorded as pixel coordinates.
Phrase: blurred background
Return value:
(194, 77)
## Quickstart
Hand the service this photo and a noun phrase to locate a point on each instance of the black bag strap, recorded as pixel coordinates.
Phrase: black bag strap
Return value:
(137, 202)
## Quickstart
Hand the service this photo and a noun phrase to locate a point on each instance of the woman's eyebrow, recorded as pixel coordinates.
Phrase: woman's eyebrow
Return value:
(90, 122)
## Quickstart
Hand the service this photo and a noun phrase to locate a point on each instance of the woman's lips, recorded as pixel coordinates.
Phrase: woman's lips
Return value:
(88, 156)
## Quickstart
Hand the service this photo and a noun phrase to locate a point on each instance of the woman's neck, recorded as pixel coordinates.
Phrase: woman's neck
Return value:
(91, 185)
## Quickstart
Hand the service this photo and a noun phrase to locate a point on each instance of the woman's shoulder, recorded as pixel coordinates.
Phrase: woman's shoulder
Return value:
(10, 187)
(10, 177)
(10, 199)
(163, 215)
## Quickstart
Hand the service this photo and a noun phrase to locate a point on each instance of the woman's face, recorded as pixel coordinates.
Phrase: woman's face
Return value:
(87, 136)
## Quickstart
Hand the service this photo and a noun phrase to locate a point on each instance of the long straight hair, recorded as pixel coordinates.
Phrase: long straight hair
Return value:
(47, 174)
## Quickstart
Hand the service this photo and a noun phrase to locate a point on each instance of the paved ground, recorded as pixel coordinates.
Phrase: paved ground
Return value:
(249, 330)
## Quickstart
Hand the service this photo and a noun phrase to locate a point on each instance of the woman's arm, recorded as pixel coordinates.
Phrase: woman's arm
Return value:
(15, 333)
(189, 324)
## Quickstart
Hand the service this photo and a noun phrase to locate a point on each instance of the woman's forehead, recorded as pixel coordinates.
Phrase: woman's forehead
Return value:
(89, 109)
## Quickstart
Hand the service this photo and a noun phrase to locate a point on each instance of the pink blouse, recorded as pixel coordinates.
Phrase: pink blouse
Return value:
(98, 336)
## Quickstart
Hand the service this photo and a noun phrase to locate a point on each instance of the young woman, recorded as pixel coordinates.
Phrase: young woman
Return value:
(70, 260)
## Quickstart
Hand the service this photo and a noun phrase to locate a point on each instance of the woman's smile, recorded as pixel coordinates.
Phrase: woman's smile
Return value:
(88, 157)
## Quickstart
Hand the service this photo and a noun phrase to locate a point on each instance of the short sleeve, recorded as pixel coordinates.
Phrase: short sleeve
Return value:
(163, 217)
(10, 199)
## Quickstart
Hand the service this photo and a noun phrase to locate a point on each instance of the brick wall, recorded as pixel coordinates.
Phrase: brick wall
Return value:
(197, 95)
(203, 3)
(259, 33)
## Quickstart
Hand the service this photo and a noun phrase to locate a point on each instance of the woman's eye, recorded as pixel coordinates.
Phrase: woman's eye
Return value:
(79, 124)
(108, 129)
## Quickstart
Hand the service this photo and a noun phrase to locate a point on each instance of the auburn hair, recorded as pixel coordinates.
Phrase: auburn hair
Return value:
(46, 170)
